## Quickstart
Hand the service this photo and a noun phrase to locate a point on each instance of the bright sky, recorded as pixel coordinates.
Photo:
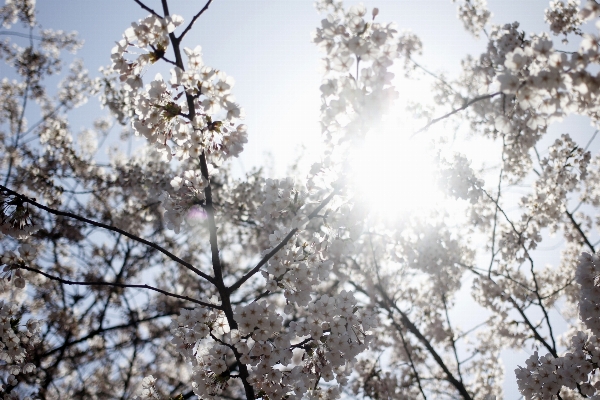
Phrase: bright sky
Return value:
(265, 45)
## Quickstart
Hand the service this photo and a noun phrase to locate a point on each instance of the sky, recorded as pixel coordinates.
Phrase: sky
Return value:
(265, 45)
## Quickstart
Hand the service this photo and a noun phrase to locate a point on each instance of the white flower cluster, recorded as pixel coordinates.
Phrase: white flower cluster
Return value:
(550, 82)
(16, 218)
(591, 10)
(324, 342)
(458, 178)
(152, 32)
(474, 15)
(563, 18)
(539, 85)
(15, 10)
(282, 198)
(283, 361)
(588, 272)
(15, 342)
(544, 376)
(188, 190)
(162, 111)
(209, 359)
(149, 390)
(355, 102)
(562, 171)
(12, 262)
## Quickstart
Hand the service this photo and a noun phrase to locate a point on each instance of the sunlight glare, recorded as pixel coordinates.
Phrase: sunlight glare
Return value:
(394, 172)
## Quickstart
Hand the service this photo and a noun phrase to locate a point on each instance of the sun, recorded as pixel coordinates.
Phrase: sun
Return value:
(394, 171)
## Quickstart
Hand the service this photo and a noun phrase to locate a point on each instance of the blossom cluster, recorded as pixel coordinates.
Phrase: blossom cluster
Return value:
(563, 170)
(15, 10)
(151, 32)
(12, 263)
(545, 376)
(282, 198)
(563, 18)
(474, 15)
(354, 102)
(188, 191)
(161, 109)
(16, 217)
(15, 342)
(459, 179)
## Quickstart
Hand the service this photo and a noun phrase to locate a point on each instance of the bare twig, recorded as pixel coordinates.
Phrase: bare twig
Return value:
(145, 7)
(186, 30)
(465, 106)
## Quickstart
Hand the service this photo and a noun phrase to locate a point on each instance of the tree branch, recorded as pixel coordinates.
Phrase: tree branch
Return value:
(145, 7)
(194, 20)
(583, 235)
(110, 228)
(465, 106)
(283, 242)
(122, 285)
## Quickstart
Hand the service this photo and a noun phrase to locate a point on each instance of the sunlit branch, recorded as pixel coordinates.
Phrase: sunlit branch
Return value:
(520, 310)
(388, 305)
(130, 369)
(412, 328)
(19, 127)
(95, 332)
(496, 220)
(541, 303)
(465, 106)
(224, 294)
(110, 228)
(164, 59)
(591, 140)
(432, 74)
(18, 34)
(410, 359)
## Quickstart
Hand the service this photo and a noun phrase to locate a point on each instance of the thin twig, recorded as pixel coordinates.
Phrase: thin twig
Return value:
(145, 7)
(465, 106)
(433, 75)
(186, 30)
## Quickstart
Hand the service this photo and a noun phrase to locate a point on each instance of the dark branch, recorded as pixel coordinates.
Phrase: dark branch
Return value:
(194, 20)
(122, 285)
(267, 257)
(145, 7)
(583, 235)
(110, 228)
